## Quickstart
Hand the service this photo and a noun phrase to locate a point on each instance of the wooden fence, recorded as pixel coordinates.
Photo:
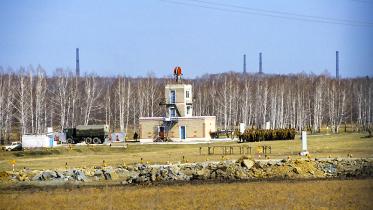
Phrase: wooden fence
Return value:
(231, 150)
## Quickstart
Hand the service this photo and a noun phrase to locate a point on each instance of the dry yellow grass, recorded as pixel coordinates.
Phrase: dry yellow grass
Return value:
(319, 146)
(323, 194)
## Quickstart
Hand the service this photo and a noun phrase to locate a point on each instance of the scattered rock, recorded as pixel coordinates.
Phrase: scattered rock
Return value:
(248, 163)
(297, 170)
(98, 173)
(48, 175)
(202, 174)
(259, 164)
(107, 175)
(244, 168)
(37, 177)
(77, 175)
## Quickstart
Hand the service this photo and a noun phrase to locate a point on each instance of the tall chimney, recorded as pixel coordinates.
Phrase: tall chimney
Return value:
(77, 68)
(244, 63)
(260, 63)
(337, 64)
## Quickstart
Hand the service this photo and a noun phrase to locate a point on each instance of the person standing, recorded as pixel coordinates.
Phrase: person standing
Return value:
(177, 73)
(135, 136)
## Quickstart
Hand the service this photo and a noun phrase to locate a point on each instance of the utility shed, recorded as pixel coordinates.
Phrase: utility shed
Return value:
(34, 141)
(179, 124)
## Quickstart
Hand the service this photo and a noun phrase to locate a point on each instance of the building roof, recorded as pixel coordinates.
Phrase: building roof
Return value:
(178, 85)
(179, 118)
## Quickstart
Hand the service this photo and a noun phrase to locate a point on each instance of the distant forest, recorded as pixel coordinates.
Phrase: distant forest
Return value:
(31, 101)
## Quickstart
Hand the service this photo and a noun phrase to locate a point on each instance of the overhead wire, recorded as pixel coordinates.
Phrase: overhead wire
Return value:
(283, 13)
(268, 13)
(363, 1)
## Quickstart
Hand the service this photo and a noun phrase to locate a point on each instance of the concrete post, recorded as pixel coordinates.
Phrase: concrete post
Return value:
(304, 143)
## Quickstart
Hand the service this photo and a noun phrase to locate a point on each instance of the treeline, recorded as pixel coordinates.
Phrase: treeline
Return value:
(30, 101)
(303, 102)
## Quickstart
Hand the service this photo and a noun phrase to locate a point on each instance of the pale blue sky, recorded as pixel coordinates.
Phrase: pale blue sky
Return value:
(137, 37)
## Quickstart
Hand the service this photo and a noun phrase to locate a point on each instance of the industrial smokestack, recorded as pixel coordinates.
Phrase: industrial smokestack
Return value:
(337, 64)
(260, 64)
(244, 63)
(77, 68)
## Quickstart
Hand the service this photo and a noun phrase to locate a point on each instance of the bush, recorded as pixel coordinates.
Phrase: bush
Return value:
(253, 135)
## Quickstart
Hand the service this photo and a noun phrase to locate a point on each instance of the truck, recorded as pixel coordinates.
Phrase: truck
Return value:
(14, 146)
(90, 134)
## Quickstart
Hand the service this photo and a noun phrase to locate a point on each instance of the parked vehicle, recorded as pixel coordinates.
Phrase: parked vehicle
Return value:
(14, 146)
(90, 134)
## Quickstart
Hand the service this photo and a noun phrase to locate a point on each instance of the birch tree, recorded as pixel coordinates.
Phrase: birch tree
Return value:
(92, 93)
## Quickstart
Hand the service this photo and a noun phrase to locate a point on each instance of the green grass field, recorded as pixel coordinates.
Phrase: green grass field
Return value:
(85, 156)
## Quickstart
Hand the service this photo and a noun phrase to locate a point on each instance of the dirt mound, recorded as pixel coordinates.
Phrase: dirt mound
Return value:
(296, 169)
(241, 169)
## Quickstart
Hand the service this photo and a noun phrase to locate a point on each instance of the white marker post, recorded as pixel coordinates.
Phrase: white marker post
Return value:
(304, 144)
(13, 162)
(242, 127)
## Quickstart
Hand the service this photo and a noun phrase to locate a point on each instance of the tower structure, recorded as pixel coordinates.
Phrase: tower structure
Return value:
(260, 63)
(337, 64)
(179, 100)
(77, 67)
(244, 63)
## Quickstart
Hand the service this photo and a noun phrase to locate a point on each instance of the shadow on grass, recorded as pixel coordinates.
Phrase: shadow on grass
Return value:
(366, 137)
(36, 153)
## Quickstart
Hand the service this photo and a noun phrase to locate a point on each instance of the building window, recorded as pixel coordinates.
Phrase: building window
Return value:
(172, 112)
(187, 94)
(172, 96)
(189, 110)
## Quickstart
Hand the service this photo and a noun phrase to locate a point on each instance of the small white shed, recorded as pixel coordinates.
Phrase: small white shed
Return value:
(32, 141)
